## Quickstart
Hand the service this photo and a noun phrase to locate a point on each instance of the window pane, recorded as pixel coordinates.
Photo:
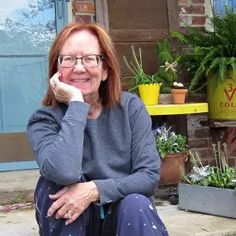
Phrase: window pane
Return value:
(219, 5)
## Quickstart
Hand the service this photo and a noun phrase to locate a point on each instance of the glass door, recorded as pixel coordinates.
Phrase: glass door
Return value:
(27, 29)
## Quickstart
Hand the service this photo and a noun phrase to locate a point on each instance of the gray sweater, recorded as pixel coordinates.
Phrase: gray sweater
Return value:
(117, 150)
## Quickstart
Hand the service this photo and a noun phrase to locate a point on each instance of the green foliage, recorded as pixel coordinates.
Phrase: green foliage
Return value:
(166, 73)
(213, 52)
(135, 65)
(220, 175)
(168, 141)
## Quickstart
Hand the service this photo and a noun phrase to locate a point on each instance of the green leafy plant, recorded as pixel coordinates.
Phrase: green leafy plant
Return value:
(167, 72)
(211, 52)
(135, 65)
(168, 141)
(220, 175)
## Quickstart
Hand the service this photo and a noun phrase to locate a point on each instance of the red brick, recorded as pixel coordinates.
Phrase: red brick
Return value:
(232, 162)
(198, 143)
(202, 133)
(185, 19)
(84, 18)
(193, 9)
(84, 7)
(198, 1)
(205, 154)
(182, 2)
(198, 20)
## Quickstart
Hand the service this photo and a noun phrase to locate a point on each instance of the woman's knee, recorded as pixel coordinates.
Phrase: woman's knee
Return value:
(135, 203)
(137, 216)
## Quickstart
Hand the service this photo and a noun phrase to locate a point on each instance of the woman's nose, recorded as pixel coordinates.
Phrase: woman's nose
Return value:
(79, 65)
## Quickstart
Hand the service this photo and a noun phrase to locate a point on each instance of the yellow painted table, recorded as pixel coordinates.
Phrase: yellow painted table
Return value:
(177, 109)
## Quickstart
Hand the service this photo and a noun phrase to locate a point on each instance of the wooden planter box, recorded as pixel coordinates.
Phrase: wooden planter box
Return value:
(209, 200)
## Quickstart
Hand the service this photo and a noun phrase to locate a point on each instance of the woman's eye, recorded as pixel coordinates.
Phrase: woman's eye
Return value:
(89, 59)
(68, 59)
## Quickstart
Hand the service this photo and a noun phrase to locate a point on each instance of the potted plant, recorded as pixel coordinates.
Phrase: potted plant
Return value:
(210, 189)
(146, 85)
(178, 93)
(173, 150)
(167, 71)
(211, 61)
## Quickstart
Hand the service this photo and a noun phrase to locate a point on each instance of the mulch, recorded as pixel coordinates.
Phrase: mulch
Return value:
(17, 200)
(17, 206)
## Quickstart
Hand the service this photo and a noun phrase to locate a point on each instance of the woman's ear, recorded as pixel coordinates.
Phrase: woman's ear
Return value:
(59, 69)
(104, 74)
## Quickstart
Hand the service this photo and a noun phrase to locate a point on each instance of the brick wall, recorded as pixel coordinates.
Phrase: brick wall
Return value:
(199, 139)
(83, 10)
(192, 12)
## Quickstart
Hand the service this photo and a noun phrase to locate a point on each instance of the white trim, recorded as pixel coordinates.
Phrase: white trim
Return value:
(208, 14)
(70, 11)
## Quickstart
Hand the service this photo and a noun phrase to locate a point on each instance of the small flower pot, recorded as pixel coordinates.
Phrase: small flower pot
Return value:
(172, 168)
(149, 93)
(179, 95)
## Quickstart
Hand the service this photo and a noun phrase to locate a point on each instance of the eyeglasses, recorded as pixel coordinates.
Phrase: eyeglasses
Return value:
(88, 61)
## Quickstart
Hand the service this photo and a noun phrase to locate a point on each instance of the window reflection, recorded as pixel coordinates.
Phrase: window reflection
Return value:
(31, 21)
(219, 5)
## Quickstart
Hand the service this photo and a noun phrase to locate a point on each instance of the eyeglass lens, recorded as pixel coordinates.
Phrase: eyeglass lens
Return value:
(89, 60)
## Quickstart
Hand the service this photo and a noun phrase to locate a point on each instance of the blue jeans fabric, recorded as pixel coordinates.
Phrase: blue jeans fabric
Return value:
(134, 215)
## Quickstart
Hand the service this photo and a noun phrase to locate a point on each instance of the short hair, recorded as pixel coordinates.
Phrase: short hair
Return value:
(110, 89)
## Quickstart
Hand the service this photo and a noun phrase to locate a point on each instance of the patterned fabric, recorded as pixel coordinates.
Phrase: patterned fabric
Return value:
(134, 215)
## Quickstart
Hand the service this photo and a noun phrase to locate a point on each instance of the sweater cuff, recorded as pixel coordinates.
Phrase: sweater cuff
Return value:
(107, 191)
(77, 111)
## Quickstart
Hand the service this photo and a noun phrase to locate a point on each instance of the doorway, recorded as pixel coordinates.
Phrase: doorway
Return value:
(27, 29)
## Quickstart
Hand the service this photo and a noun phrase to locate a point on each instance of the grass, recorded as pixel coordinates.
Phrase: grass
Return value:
(10, 198)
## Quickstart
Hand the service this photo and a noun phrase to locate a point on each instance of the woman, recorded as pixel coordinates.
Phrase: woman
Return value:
(93, 144)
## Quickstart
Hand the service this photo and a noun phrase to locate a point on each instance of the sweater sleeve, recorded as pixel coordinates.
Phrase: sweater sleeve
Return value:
(145, 160)
(58, 144)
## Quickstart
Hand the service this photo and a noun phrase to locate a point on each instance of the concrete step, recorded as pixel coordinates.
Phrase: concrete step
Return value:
(178, 222)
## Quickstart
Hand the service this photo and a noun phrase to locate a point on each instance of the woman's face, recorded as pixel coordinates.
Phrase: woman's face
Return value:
(87, 79)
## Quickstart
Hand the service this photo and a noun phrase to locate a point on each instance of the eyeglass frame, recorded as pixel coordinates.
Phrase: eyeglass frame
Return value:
(101, 58)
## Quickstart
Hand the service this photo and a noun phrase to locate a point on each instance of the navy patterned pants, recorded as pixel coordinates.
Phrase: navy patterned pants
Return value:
(134, 215)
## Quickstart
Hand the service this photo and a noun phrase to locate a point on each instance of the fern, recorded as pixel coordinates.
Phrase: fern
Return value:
(213, 52)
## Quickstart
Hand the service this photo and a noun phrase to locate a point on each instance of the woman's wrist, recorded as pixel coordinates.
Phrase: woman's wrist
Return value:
(77, 97)
(94, 192)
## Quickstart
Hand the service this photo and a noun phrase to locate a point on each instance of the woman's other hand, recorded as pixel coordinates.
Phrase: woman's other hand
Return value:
(71, 201)
(64, 92)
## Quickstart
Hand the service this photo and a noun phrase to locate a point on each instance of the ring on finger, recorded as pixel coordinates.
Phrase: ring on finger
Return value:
(68, 215)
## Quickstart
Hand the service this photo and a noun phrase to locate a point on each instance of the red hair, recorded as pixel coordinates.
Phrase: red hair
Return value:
(110, 89)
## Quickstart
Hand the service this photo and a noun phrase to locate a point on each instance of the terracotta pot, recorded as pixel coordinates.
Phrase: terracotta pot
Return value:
(172, 168)
(179, 95)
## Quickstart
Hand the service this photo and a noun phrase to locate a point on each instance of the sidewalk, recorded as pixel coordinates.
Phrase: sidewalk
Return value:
(178, 222)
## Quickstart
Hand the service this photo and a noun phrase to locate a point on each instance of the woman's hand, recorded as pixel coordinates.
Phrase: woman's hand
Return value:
(71, 201)
(64, 92)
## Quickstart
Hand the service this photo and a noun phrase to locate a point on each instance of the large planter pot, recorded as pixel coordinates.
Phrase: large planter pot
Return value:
(172, 168)
(210, 200)
(179, 95)
(221, 96)
(149, 93)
